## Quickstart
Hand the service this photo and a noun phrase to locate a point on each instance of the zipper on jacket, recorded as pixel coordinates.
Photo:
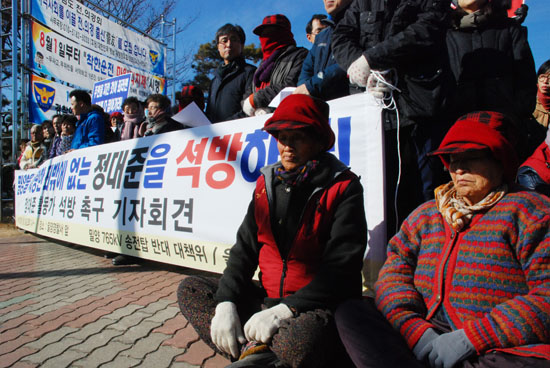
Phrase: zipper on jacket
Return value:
(283, 275)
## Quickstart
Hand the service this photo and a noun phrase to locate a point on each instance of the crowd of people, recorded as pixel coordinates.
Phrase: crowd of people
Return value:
(466, 282)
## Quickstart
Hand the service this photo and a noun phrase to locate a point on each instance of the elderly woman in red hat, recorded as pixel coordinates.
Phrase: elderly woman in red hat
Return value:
(306, 231)
(467, 278)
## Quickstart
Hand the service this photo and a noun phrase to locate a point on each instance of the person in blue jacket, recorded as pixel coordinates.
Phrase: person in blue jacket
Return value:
(321, 76)
(90, 127)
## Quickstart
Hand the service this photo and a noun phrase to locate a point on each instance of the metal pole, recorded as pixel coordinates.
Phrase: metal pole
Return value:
(174, 61)
(14, 111)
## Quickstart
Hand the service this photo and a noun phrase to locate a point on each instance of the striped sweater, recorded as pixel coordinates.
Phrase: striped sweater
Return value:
(497, 281)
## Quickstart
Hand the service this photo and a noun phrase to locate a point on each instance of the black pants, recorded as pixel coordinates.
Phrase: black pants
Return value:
(372, 342)
(308, 340)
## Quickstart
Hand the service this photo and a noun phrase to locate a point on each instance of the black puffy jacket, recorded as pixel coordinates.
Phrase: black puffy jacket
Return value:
(285, 74)
(492, 69)
(227, 92)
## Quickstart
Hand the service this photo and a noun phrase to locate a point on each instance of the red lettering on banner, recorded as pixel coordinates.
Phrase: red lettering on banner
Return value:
(220, 184)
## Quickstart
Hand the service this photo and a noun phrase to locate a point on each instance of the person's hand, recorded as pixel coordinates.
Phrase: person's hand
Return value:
(449, 349)
(261, 111)
(248, 109)
(424, 345)
(301, 89)
(225, 330)
(358, 71)
(262, 326)
(377, 88)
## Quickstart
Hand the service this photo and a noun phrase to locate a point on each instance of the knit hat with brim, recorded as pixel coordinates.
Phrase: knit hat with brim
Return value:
(278, 20)
(302, 111)
(478, 131)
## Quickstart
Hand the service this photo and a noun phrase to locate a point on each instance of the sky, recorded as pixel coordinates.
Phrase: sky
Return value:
(212, 14)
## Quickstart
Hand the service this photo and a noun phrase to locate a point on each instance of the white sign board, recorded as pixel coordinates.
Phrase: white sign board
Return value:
(180, 197)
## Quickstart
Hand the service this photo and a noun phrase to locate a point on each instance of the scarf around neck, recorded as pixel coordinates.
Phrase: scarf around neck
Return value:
(474, 20)
(297, 176)
(454, 209)
(543, 99)
(263, 74)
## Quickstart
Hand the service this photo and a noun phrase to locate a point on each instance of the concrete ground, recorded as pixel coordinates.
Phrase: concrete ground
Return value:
(63, 305)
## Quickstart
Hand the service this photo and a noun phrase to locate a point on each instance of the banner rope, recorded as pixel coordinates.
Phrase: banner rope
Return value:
(389, 79)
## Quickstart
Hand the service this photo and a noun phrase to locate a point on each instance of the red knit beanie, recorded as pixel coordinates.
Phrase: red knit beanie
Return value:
(117, 115)
(482, 130)
(302, 111)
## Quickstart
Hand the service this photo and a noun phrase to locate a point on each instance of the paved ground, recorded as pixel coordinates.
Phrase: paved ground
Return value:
(63, 305)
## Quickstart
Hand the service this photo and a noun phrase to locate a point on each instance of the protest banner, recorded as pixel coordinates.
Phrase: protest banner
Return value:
(180, 197)
(66, 60)
(97, 33)
(47, 99)
(110, 93)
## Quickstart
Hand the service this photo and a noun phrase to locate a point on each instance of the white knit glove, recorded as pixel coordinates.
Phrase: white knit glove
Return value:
(225, 330)
(248, 108)
(358, 71)
(261, 111)
(377, 88)
(262, 326)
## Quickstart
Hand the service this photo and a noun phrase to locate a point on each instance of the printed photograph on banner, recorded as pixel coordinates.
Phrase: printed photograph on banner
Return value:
(61, 58)
(87, 28)
(46, 99)
(159, 197)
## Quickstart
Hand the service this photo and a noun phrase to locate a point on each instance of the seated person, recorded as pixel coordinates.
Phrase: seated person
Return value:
(305, 228)
(467, 278)
(63, 145)
(36, 152)
(132, 118)
(534, 173)
(158, 117)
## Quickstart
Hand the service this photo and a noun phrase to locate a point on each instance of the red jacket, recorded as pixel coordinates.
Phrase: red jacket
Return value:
(540, 162)
(283, 277)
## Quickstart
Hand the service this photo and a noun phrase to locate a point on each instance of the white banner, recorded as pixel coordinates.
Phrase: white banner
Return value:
(180, 197)
(66, 60)
(88, 28)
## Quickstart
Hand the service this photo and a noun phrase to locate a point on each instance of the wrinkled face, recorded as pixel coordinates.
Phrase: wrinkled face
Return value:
(57, 125)
(334, 6)
(474, 174)
(470, 6)
(544, 84)
(131, 108)
(36, 134)
(229, 47)
(67, 128)
(296, 147)
(316, 27)
(78, 107)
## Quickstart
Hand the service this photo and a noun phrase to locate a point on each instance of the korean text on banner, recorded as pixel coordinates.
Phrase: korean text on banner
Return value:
(110, 93)
(180, 197)
(90, 29)
(66, 60)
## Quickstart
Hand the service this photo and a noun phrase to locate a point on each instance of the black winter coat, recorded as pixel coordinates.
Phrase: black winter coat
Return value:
(284, 74)
(226, 93)
(492, 69)
(407, 35)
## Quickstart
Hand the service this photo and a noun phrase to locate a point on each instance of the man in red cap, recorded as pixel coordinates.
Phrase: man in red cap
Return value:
(280, 66)
(306, 231)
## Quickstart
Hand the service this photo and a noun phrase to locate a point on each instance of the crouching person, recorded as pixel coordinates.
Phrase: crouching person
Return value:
(305, 228)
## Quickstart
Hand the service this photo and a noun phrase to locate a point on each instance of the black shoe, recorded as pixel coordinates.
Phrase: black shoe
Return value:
(121, 260)
(110, 255)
